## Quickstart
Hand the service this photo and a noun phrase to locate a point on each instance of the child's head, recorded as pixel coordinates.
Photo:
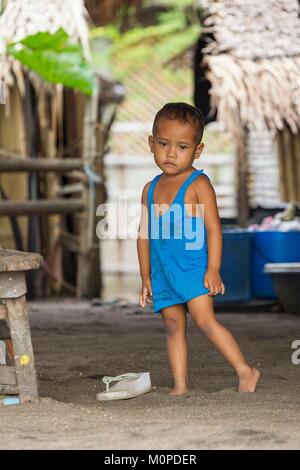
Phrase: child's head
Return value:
(177, 133)
(184, 113)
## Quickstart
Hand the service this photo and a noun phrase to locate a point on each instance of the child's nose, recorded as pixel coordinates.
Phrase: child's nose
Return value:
(171, 152)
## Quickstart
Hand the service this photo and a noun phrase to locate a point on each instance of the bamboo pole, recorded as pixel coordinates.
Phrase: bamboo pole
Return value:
(41, 164)
(40, 207)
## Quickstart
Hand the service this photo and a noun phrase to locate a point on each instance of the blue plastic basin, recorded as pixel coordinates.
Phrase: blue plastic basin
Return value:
(271, 247)
(235, 268)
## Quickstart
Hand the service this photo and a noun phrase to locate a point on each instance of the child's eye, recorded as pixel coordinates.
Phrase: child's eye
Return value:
(182, 147)
(162, 143)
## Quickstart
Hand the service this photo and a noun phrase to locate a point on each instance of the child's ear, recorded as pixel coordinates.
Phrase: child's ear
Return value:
(199, 150)
(151, 143)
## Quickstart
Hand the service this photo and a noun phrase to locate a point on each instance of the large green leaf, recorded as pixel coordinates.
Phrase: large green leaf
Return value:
(45, 40)
(56, 59)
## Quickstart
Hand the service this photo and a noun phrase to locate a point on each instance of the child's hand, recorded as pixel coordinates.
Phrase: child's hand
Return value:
(213, 282)
(146, 292)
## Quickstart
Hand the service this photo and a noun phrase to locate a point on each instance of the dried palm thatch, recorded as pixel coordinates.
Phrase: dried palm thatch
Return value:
(253, 62)
(22, 18)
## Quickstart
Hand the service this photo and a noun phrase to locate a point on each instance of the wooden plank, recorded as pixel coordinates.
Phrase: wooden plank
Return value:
(8, 375)
(9, 389)
(24, 358)
(14, 260)
(12, 285)
(40, 164)
(3, 312)
(53, 206)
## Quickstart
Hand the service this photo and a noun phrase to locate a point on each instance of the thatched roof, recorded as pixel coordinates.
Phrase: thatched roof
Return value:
(22, 18)
(253, 63)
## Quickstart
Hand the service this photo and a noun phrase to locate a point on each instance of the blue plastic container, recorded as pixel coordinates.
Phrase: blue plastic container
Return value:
(271, 247)
(235, 268)
(10, 401)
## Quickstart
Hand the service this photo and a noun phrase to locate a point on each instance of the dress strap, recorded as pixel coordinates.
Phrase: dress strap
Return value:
(151, 190)
(187, 182)
(151, 210)
(181, 191)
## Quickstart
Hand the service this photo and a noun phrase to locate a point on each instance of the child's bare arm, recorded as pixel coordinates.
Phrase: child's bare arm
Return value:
(206, 195)
(144, 251)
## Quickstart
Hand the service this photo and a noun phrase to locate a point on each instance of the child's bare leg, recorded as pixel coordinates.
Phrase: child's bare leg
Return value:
(202, 312)
(175, 322)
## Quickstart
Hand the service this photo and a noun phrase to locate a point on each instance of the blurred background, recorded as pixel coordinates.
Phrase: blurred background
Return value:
(80, 83)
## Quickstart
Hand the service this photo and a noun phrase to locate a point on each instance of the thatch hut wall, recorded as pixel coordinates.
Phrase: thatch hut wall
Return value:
(249, 63)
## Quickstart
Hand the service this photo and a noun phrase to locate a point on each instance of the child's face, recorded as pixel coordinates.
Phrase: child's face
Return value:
(174, 145)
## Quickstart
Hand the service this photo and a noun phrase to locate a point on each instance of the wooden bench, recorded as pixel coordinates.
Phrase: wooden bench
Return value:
(21, 377)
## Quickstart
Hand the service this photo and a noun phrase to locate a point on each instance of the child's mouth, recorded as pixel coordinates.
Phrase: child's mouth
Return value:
(170, 164)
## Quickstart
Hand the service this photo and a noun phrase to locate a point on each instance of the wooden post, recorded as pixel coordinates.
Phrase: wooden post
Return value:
(288, 152)
(290, 169)
(242, 193)
(21, 378)
(281, 164)
(88, 271)
(52, 223)
(23, 352)
(31, 124)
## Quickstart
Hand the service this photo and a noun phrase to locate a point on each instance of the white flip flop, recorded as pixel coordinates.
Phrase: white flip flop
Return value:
(129, 386)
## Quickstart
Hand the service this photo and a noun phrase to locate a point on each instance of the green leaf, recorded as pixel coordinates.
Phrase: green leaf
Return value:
(46, 40)
(56, 59)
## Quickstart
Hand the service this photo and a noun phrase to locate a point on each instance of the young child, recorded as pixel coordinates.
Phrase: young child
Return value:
(174, 273)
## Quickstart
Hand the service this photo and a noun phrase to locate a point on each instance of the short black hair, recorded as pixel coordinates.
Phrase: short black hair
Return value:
(183, 112)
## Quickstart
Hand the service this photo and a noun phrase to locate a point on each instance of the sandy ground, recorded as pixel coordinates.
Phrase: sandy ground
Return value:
(76, 343)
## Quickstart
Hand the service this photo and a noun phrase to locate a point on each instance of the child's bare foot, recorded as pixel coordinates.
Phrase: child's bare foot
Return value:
(179, 390)
(248, 380)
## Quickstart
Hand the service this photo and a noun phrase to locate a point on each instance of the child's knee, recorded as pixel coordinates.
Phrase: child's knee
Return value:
(173, 326)
(205, 324)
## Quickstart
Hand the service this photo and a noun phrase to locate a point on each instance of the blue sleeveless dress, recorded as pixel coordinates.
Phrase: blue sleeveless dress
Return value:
(178, 250)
